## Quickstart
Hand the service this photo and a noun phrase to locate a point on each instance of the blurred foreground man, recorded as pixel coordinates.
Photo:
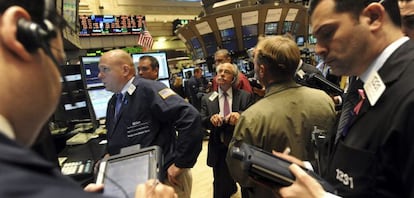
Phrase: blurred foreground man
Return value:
(31, 48)
(371, 152)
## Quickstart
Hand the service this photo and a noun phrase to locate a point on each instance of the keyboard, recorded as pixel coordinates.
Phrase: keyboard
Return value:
(78, 169)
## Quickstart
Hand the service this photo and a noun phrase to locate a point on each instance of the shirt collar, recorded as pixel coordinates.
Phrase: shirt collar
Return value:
(229, 92)
(6, 128)
(380, 60)
(127, 85)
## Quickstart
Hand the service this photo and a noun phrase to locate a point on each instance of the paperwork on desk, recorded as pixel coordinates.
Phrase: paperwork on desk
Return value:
(80, 138)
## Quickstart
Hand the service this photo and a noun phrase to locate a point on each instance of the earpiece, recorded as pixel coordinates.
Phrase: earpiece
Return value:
(33, 35)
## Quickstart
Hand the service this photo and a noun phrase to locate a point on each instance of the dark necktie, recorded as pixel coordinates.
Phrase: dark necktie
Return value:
(118, 103)
(350, 101)
(226, 106)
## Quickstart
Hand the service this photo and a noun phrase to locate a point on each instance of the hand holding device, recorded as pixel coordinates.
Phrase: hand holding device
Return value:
(121, 173)
(265, 167)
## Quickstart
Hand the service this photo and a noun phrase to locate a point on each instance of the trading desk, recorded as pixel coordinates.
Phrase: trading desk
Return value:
(93, 149)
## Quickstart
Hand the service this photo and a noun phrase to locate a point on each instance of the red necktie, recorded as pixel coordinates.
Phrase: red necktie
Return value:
(362, 98)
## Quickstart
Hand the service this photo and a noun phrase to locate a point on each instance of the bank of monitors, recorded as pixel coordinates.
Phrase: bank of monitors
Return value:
(163, 72)
(90, 71)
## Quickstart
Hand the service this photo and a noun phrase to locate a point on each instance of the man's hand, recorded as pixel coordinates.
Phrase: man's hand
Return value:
(216, 120)
(304, 185)
(154, 189)
(232, 118)
(173, 173)
(94, 188)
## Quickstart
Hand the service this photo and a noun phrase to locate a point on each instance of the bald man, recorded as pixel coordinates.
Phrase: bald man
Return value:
(148, 113)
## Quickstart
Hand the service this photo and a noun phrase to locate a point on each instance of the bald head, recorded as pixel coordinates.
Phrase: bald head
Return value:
(116, 68)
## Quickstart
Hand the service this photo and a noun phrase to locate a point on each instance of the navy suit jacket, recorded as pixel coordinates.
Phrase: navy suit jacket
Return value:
(25, 174)
(155, 115)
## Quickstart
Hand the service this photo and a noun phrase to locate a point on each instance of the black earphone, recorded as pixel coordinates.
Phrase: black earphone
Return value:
(33, 35)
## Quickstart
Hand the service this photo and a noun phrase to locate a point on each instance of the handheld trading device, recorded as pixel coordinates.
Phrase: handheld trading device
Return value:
(268, 168)
(121, 173)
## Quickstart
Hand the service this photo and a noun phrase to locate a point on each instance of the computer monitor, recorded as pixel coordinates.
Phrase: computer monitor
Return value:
(162, 61)
(249, 30)
(228, 34)
(90, 71)
(73, 104)
(99, 99)
(271, 28)
(188, 72)
(300, 41)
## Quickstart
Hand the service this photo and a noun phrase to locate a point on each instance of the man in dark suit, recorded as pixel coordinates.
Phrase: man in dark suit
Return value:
(196, 88)
(150, 113)
(371, 153)
(220, 120)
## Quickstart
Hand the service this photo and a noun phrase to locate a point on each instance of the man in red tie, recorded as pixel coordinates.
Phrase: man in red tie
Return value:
(220, 111)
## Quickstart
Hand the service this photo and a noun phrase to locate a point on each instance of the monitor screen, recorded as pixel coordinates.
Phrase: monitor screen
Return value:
(188, 72)
(249, 30)
(195, 43)
(208, 38)
(300, 41)
(163, 71)
(230, 45)
(211, 49)
(312, 39)
(70, 13)
(99, 99)
(228, 34)
(287, 26)
(74, 106)
(199, 53)
(91, 71)
(249, 42)
(271, 28)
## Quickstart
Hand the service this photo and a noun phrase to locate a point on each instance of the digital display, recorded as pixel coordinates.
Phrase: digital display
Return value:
(70, 13)
(249, 30)
(97, 25)
(91, 71)
(124, 175)
(271, 28)
(99, 99)
(312, 39)
(210, 43)
(163, 71)
(230, 45)
(228, 34)
(300, 41)
(287, 26)
(249, 42)
(72, 107)
(195, 43)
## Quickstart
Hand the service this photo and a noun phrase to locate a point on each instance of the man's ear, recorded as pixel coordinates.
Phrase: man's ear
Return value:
(8, 31)
(375, 14)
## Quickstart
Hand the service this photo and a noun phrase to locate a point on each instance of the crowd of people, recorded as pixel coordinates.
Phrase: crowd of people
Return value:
(366, 152)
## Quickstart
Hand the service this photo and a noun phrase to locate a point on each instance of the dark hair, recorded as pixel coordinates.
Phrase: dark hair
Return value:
(153, 60)
(355, 7)
(37, 10)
